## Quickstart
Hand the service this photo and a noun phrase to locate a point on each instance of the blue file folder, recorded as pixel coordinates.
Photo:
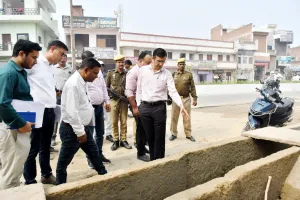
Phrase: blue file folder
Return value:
(27, 116)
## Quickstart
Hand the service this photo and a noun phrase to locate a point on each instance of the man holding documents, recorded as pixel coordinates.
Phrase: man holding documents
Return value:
(77, 116)
(42, 89)
(15, 130)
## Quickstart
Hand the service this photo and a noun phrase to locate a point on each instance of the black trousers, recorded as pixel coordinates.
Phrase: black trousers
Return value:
(154, 117)
(141, 138)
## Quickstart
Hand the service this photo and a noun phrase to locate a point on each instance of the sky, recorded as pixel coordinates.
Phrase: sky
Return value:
(192, 18)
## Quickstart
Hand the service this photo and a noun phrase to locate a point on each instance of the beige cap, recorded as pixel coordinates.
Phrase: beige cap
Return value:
(181, 60)
(119, 57)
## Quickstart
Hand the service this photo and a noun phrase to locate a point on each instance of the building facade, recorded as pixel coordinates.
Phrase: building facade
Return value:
(204, 58)
(26, 19)
(97, 34)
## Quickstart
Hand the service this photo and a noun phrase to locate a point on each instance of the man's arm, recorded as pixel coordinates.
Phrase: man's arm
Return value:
(7, 112)
(139, 88)
(72, 109)
(172, 90)
(131, 87)
(193, 90)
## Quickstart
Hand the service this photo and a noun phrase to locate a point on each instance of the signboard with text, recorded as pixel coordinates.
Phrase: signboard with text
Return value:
(89, 22)
(102, 53)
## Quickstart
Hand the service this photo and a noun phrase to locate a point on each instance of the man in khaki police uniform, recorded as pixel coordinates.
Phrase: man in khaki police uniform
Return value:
(116, 80)
(185, 86)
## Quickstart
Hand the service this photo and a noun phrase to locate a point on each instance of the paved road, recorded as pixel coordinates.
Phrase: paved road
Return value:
(231, 99)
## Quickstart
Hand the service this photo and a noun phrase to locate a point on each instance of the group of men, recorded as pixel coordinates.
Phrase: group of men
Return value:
(86, 97)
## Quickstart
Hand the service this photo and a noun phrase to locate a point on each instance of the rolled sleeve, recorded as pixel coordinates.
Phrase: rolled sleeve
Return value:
(7, 113)
(172, 90)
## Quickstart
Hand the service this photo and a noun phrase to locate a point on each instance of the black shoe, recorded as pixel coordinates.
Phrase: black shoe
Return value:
(147, 150)
(125, 144)
(31, 182)
(53, 150)
(115, 146)
(91, 166)
(191, 138)
(110, 138)
(50, 180)
(172, 137)
(102, 172)
(144, 158)
(105, 160)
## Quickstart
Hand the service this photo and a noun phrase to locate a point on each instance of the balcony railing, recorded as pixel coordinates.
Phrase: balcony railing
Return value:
(6, 47)
(20, 11)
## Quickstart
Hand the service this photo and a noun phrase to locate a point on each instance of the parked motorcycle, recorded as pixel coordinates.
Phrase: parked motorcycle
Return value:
(270, 110)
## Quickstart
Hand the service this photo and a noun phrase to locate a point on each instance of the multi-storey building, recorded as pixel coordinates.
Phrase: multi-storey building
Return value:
(26, 19)
(204, 58)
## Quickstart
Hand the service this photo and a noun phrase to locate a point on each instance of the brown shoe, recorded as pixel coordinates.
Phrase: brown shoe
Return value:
(50, 180)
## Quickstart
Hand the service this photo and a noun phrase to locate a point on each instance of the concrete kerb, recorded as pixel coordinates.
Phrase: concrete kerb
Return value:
(163, 178)
(28, 192)
(247, 181)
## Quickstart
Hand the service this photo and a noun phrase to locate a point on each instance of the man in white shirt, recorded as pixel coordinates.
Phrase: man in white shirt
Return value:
(42, 89)
(97, 92)
(77, 115)
(62, 72)
(154, 84)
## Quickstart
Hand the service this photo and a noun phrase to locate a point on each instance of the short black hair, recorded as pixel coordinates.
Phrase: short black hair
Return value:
(57, 44)
(160, 53)
(91, 63)
(25, 45)
(143, 54)
(128, 62)
(87, 54)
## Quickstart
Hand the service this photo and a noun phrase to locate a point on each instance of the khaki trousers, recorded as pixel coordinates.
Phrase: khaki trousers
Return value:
(175, 116)
(14, 150)
(119, 111)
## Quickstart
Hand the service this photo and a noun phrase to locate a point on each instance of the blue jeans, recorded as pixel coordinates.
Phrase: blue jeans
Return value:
(70, 145)
(99, 127)
(40, 144)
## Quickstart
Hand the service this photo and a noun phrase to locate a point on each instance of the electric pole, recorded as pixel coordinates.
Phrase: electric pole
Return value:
(72, 37)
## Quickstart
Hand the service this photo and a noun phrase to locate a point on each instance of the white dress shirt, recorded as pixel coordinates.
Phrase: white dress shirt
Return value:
(75, 105)
(61, 75)
(42, 83)
(97, 91)
(154, 86)
(131, 81)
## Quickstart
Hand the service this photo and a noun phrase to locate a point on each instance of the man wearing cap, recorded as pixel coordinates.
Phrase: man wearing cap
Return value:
(185, 87)
(116, 80)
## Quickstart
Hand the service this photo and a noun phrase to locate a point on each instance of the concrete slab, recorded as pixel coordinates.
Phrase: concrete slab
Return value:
(291, 187)
(28, 192)
(247, 181)
(281, 135)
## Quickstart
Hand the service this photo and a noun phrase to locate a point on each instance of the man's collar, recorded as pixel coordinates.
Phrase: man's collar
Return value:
(80, 78)
(17, 67)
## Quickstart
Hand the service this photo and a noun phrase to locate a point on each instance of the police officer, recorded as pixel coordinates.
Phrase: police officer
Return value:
(185, 86)
(116, 80)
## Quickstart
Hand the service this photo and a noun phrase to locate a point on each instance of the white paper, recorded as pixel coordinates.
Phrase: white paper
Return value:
(30, 106)
(57, 112)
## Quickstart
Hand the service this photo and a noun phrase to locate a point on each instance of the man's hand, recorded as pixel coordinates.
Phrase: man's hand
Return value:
(136, 111)
(195, 102)
(27, 128)
(184, 113)
(82, 139)
(58, 93)
(107, 107)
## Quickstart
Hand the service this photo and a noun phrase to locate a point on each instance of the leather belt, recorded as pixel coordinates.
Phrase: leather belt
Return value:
(183, 97)
(154, 103)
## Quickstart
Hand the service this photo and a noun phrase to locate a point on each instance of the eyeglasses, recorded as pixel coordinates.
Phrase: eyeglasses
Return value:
(62, 53)
(161, 61)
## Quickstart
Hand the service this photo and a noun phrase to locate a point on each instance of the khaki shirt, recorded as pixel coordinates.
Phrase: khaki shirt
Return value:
(184, 83)
(116, 81)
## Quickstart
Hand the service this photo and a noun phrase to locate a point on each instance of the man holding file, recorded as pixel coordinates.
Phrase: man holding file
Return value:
(14, 130)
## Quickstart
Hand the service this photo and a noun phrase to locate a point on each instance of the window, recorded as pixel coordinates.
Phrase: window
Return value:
(192, 56)
(239, 60)
(40, 39)
(220, 57)
(107, 41)
(245, 60)
(250, 60)
(182, 55)
(24, 36)
(209, 57)
(200, 56)
(136, 53)
(170, 55)
(228, 58)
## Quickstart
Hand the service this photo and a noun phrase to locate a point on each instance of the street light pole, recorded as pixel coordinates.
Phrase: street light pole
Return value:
(72, 38)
